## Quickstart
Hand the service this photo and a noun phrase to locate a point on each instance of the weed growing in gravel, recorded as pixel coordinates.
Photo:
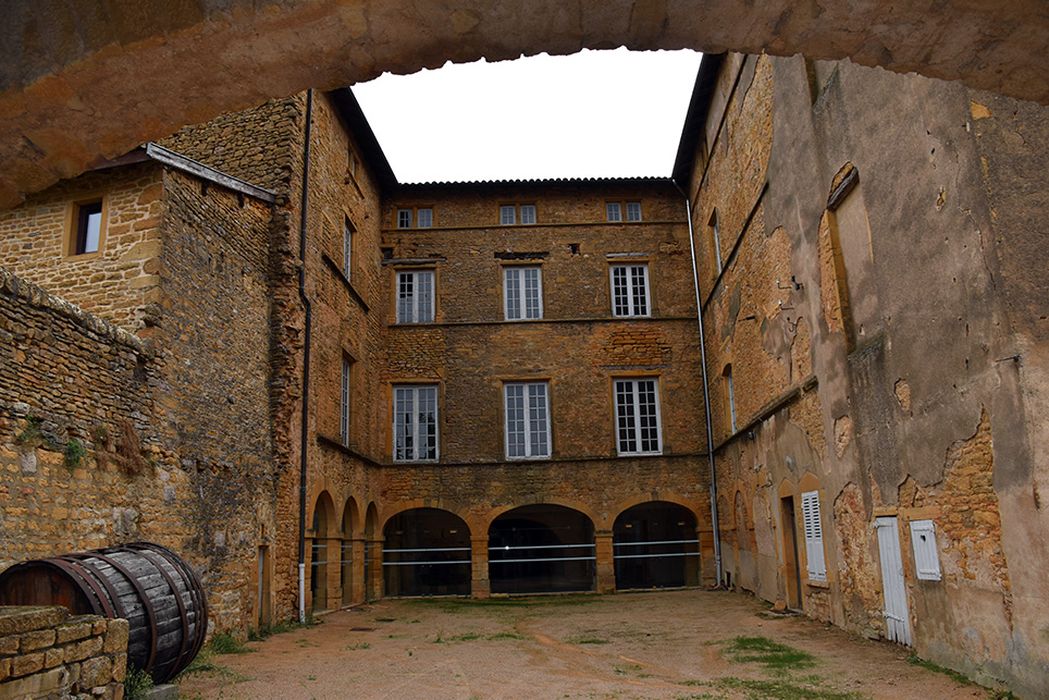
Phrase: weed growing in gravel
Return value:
(959, 678)
(357, 646)
(770, 654)
(787, 689)
(586, 639)
(224, 643)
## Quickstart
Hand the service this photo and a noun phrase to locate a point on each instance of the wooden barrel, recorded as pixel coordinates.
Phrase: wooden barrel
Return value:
(148, 585)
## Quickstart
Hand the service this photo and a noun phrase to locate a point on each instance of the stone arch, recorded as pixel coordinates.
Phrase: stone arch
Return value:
(188, 52)
(583, 508)
(655, 544)
(323, 550)
(542, 548)
(420, 503)
(690, 505)
(426, 551)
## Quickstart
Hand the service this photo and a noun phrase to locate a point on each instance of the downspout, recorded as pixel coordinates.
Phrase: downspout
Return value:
(706, 394)
(304, 428)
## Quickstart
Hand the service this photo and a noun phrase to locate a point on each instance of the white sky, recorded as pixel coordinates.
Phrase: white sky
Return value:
(592, 114)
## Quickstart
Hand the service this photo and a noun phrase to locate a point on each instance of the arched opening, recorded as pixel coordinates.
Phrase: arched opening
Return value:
(655, 546)
(541, 549)
(426, 551)
(349, 518)
(323, 524)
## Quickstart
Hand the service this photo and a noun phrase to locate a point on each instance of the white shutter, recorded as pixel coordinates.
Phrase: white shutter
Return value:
(810, 512)
(926, 558)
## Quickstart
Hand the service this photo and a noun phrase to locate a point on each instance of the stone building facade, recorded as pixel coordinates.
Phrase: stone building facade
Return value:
(874, 375)
(290, 367)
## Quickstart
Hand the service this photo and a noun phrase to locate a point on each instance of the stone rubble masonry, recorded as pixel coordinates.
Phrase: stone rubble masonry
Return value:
(47, 653)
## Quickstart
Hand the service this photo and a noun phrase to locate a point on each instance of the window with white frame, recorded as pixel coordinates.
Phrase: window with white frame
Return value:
(424, 217)
(813, 526)
(633, 211)
(637, 417)
(511, 214)
(507, 215)
(415, 296)
(415, 423)
(344, 403)
(527, 420)
(926, 558)
(630, 290)
(404, 218)
(613, 211)
(347, 249)
(523, 289)
(527, 213)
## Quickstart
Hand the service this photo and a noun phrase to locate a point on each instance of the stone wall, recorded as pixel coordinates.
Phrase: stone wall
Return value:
(119, 283)
(864, 313)
(46, 653)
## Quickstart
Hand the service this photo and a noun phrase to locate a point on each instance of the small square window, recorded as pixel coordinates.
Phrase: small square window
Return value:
(633, 211)
(614, 211)
(404, 218)
(527, 213)
(424, 218)
(88, 221)
(507, 215)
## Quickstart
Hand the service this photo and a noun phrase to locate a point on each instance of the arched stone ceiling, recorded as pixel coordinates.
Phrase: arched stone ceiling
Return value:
(83, 81)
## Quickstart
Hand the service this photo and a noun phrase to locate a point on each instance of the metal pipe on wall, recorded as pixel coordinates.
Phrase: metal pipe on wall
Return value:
(304, 427)
(706, 393)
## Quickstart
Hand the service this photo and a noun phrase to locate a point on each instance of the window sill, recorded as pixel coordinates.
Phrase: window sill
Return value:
(337, 271)
(813, 583)
(640, 454)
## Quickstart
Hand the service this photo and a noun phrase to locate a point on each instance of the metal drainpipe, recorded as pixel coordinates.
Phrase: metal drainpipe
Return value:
(706, 394)
(304, 428)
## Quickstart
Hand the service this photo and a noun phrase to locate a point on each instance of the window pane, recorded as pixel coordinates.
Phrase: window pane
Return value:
(403, 430)
(639, 296)
(633, 211)
(405, 297)
(94, 229)
(428, 422)
(424, 280)
(647, 417)
(625, 416)
(620, 297)
(515, 421)
(527, 213)
(513, 293)
(538, 421)
(424, 218)
(404, 218)
(344, 404)
(613, 211)
(533, 304)
(507, 216)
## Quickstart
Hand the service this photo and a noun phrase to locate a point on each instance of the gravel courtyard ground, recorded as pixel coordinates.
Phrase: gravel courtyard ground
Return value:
(676, 644)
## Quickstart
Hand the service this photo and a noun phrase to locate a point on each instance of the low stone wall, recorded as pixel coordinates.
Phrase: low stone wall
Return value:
(46, 653)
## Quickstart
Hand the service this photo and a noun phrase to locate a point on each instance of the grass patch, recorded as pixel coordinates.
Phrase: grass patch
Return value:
(586, 639)
(516, 603)
(770, 654)
(225, 643)
(305, 643)
(958, 678)
(466, 637)
(787, 689)
(137, 683)
(358, 646)
(205, 663)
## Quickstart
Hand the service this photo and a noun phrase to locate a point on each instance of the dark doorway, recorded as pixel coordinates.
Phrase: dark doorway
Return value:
(790, 553)
(655, 546)
(426, 552)
(541, 549)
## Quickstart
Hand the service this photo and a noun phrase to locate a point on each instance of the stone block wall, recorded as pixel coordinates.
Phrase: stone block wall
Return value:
(119, 283)
(46, 653)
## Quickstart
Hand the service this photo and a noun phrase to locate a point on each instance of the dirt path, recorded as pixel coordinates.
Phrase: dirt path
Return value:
(675, 645)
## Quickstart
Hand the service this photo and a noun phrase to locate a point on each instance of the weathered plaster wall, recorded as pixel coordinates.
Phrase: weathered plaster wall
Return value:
(910, 297)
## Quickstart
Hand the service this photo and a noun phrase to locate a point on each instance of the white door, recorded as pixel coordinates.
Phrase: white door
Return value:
(897, 621)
